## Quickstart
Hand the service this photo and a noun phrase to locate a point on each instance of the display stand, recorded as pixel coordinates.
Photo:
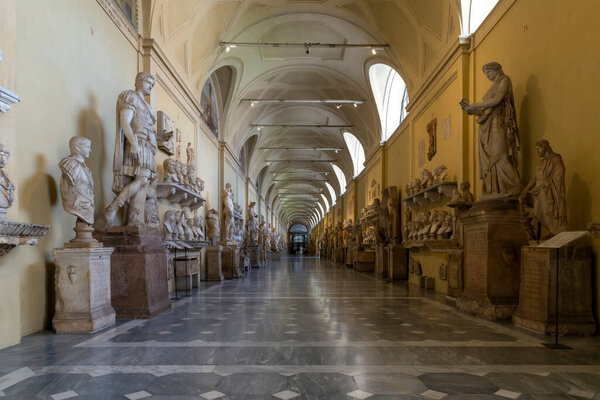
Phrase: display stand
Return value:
(557, 242)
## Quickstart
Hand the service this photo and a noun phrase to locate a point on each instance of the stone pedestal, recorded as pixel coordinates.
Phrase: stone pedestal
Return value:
(230, 258)
(214, 270)
(397, 265)
(494, 232)
(187, 271)
(455, 276)
(138, 272)
(276, 255)
(381, 260)
(254, 254)
(365, 261)
(537, 296)
(82, 286)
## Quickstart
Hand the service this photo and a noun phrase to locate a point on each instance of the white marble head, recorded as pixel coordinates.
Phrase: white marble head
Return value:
(4, 155)
(79, 145)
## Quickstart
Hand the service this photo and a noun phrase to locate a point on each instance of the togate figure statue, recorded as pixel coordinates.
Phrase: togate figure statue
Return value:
(499, 146)
(7, 188)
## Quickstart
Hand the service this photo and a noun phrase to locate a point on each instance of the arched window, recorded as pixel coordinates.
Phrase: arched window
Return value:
(356, 152)
(341, 178)
(326, 202)
(331, 192)
(322, 214)
(473, 12)
(391, 97)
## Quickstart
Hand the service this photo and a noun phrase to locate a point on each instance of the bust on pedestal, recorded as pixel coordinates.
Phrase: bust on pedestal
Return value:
(139, 262)
(82, 277)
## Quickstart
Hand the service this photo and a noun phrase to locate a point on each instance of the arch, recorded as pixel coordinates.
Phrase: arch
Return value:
(332, 193)
(391, 96)
(341, 177)
(473, 13)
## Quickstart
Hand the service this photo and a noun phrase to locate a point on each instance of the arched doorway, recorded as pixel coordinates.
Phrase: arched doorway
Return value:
(298, 239)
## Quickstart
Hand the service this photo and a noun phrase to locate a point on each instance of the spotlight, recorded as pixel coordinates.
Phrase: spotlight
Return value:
(337, 151)
(338, 106)
(355, 105)
(252, 104)
(373, 51)
(227, 49)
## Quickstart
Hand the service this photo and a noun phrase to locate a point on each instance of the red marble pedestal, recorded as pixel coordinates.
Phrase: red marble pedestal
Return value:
(138, 271)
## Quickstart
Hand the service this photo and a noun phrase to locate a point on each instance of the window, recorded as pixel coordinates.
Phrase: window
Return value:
(391, 97)
(341, 178)
(322, 214)
(326, 202)
(331, 192)
(357, 153)
(473, 12)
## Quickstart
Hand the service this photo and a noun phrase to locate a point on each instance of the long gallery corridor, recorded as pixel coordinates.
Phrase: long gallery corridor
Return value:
(302, 328)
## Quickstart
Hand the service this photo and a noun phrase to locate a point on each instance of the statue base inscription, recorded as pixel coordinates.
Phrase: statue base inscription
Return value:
(494, 232)
(82, 286)
(138, 271)
(214, 268)
(365, 261)
(230, 258)
(397, 265)
(537, 298)
(254, 254)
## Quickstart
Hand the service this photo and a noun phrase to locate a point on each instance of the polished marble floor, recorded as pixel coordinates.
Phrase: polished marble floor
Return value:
(298, 329)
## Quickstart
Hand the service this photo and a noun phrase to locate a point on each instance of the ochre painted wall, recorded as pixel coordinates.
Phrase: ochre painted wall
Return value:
(68, 86)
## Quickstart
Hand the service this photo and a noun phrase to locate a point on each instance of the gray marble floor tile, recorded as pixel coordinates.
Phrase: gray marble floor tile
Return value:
(321, 384)
(528, 383)
(390, 383)
(184, 384)
(457, 383)
(253, 384)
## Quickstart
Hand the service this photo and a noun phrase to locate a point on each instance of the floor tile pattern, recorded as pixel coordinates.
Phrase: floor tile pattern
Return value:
(299, 329)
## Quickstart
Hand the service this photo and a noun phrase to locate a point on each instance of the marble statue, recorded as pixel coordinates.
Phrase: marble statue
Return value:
(180, 170)
(198, 227)
(463, 195)
(499, 147)
(170, 169)
(426, 178)
(446, 228)
(440, 174)
(76, 183)
(189, 151)
(548, 189)
(227, 203)
(252, 224)
(190, 177)
(199, 185)
(212, 223)
(134, 164)
(392, 219)
(7, 188)
(169, 225)
(151, 216)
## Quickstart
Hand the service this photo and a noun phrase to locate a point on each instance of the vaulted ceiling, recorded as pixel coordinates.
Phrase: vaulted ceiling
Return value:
(418, 31)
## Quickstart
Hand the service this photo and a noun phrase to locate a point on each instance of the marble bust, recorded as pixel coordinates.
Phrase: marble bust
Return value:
(134, 163)
(7, 188)
(76, 184)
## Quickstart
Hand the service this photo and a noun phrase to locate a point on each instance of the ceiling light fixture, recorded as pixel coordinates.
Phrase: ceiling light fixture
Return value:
(299, 126)
(307, 46)
(339, 102)
(338, 106)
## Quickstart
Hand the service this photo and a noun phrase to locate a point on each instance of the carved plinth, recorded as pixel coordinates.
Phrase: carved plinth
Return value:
(397, 265)
(214, 268)
(537, 297)
(381, 260)
(494, 232)
(365, 261)
(254, 254)
(82, 288)
(139, 286)
(230, 258)
(455, 275)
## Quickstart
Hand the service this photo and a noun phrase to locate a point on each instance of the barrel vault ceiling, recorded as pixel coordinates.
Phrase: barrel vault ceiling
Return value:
(292, 164)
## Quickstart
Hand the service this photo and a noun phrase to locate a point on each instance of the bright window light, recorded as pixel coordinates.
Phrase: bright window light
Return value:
(326, 202)
(341, 177)
(391, 97)
(357, 153)
(322, 215)
(473, 12)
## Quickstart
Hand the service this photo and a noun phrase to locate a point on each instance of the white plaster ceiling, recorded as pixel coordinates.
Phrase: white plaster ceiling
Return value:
(418, 32)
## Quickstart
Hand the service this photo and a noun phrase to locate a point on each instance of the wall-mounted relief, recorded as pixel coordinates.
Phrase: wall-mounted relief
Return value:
(447, 128)
(432, 137)
(165, 134)
(421, 153)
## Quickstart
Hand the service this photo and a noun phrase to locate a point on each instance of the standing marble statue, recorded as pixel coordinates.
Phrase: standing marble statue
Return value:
(77, 188)
(7, 188)
(212, 223)
(548, 189)
(134, 163)
(228, 222)
(499, 148)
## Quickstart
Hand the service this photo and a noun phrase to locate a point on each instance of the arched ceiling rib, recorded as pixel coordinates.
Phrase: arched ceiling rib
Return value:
(189, 31)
